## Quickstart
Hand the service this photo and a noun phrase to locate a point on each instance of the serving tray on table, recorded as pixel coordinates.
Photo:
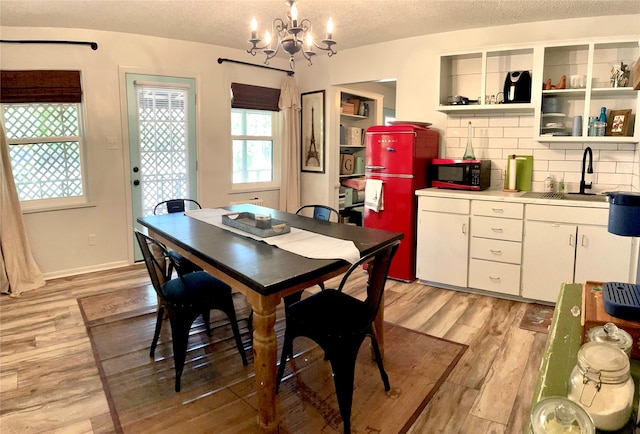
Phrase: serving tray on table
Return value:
(247, 222)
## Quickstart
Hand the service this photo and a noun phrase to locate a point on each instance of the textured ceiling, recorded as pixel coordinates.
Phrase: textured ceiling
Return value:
(357, 22)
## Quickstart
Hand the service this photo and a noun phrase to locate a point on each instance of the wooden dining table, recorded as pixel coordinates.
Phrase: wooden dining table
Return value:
(264, 274)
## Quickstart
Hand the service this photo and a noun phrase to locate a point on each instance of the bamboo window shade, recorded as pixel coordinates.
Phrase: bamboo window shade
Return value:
(246, 96)
(40, 86)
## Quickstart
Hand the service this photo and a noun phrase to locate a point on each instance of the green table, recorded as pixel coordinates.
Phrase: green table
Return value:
(561, 350)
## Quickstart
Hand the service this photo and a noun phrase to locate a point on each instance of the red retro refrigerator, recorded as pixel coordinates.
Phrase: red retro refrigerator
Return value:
(399, 156)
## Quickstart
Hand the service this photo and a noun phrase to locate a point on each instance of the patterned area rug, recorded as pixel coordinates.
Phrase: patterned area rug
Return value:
(218, 391)
(537, 318)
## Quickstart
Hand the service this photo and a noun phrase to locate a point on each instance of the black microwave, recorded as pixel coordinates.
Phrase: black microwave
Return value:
(461, 174)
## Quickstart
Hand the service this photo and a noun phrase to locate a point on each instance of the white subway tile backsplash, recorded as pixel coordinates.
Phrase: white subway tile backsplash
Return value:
(495, 137)
(620, 179)
(616, 155)
(517, 132)
(505, 121)
(555, 154)
(526, 121)
(624, 167)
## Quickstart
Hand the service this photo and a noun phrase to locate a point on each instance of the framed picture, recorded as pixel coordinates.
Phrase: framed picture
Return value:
(619, 123)
(312, 132)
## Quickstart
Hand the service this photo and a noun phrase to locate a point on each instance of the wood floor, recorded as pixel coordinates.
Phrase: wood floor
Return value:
(49, 381)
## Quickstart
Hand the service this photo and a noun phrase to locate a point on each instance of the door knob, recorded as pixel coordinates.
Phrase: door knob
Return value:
(136, 182)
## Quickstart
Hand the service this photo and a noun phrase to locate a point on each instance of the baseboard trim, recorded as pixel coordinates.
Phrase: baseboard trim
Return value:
(84, 270)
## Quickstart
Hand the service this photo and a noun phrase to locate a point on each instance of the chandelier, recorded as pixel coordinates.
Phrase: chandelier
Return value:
(293, 36)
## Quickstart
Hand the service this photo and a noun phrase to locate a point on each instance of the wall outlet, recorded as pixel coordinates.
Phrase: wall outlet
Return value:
(92, 239)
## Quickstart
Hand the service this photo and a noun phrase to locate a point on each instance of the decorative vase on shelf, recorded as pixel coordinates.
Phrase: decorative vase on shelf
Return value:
(468, 152)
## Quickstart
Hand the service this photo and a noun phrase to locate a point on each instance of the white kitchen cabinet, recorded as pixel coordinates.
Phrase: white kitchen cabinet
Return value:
(593, 61)
(481, 74)
(443, 240)
(496, 246)
(564, 245)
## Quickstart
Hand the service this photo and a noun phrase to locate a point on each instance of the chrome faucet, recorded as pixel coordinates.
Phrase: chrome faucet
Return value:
(583, 185)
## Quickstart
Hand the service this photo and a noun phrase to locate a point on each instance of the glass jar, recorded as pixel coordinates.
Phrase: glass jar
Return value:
(556, 415)
(611, 334)
(601, 383)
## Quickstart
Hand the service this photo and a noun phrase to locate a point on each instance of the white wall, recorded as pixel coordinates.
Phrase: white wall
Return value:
(414, 62)
(59, 238)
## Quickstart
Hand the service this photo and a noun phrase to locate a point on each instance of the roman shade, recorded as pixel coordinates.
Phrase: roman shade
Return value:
(246, 96)
(40, 86)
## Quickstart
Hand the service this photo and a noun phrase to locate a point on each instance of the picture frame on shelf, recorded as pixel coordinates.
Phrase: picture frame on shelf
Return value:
(312, 132)
(618, 123)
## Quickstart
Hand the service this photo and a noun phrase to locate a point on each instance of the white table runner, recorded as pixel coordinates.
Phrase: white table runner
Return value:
(298, 241)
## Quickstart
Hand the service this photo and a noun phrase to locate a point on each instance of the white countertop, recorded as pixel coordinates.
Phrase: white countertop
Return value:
(499, 195)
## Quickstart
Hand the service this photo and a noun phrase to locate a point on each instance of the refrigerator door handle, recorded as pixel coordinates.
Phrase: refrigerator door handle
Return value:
(374, 167)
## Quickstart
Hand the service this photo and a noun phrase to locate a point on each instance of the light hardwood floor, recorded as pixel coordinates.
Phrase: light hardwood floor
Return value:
(49, 381)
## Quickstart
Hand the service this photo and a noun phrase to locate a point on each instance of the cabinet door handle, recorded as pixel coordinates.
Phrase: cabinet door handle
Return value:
(571, 242)
(464, 228)
(496, 252)
(583, 241)
(497, 210)
(495, 279)
(497, 230)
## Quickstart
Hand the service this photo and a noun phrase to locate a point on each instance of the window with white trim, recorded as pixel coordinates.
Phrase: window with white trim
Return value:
(46, 151)
(253, 149)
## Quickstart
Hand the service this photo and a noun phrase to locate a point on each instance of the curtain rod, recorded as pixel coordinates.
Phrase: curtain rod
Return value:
(93, 45)
(220, 60)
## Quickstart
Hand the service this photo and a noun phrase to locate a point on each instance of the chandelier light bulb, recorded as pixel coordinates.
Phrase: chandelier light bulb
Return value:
(294, 14)
(309, 41)
(267, 39)
(329, 28)
(254, 28)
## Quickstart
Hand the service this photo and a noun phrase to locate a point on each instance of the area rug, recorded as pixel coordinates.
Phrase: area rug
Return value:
(218, 394)
(537, 318)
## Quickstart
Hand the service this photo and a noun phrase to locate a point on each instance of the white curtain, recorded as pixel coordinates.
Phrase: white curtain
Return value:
(290, 181)
(18, 270)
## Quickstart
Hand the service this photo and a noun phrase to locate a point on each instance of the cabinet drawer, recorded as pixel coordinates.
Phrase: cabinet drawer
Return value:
(568, 214)
(497, 209)
(496, 228)
(496, 250)
(494, 276)
(443, 204)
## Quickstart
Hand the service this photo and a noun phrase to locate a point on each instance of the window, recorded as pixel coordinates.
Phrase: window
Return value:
(253, 152)
(45, 150)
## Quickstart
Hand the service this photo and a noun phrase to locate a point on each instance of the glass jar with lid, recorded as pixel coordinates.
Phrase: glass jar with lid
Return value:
(558, 415)
(611, 334)
(601, 383)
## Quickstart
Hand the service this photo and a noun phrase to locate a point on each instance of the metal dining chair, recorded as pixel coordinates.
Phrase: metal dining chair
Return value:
(182, 265)
(175, 205)
(339, 323)
(185, 298)
(321, 212)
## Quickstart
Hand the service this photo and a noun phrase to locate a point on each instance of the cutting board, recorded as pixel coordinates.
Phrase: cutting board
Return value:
(593, 315)
(524, 170)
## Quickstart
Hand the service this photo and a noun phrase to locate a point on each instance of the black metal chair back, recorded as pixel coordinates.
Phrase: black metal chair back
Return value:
(321, 212)
(339, 323)
(185, 298)
(176, 205)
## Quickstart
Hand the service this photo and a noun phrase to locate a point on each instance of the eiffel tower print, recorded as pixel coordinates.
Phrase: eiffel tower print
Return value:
(312, 153)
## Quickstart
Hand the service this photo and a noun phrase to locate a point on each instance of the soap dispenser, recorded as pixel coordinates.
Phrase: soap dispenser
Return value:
(548, 184)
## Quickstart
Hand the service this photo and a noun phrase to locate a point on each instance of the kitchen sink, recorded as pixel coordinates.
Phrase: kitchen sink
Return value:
(566, 196)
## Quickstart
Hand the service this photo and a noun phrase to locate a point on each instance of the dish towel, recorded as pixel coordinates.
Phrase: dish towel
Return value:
(373, 199)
